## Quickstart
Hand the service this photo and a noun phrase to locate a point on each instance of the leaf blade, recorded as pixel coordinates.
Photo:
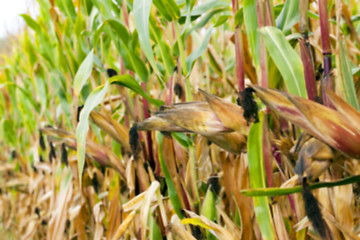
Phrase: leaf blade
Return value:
(92, 101)
(286, 59)
(84, 72)
(258, 178)
(141, 17)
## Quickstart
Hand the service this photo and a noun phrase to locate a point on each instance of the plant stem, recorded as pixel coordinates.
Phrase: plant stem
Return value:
(181, 49)
(306, 55)
(327, 80)
(148, 134)
(285, 191)
(239, 51)
(263, 61)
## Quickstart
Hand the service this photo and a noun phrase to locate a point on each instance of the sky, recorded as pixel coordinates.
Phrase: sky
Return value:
(10, 21)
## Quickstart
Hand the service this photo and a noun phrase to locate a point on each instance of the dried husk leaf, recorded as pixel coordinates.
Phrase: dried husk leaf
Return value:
(124, 225)
(99, 153)
(58, 220)
(145, 209)
(342, 204)
(230, 115)
(219, 121)
(219, 231)
(279, 222)
(324, 123)
(99, 215)
(170, 161)
(113, 217)
(113, 128)
(179, 232)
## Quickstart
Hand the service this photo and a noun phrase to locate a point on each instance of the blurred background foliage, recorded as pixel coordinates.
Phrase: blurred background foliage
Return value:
(79, 179)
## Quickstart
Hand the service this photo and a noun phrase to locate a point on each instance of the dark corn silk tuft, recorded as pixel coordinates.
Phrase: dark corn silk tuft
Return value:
(13, 154)
(178, 90)
(111, 72)
(52, 153)
(247, 102)
(34, 168)
(37, 211)
(64, 155)
(95, 183)
(134, 140)
(319, 72)
(78, 112)
(213, 182)
(42, 142)
(313, 211)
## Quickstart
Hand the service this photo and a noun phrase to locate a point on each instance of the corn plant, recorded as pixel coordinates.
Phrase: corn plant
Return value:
(182, 119)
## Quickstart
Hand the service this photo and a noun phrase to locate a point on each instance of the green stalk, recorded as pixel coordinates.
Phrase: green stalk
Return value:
(285, 191)
(181, 49)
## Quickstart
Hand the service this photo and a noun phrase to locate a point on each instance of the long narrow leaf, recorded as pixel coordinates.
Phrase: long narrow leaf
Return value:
(286, 59)
(289, 190)
(83, 72)
(258, 178)
(288, 16)
(173, 195)
(251, 23)
(198, 51)
(92, 101)
(141, 18)
(346, 79)
(128, 81)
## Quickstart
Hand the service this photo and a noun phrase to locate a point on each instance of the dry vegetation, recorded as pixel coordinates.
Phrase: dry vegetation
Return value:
(97, 141)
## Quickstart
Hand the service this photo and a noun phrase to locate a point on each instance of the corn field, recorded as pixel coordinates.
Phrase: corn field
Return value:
(182, 119)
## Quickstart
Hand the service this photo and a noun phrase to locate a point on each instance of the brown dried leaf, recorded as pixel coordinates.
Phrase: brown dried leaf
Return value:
(322, 122)
(124, 225)
(219, 231)
(59, 213)
(113, 128)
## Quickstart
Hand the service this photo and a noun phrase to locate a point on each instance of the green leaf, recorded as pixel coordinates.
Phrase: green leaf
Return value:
(157, 35)
(155, 232)
(121, 39)
(31, 23)
(141, 17)
(128, 81)
(258, 178)
(222, 19)
(208, 209)
(91, 102)
(168, 8)
(202, 8)
(198, 51)
(346, 83)
(119, 28)
(289, 15)
(269, 192)
(67, 8)
(251, 23)
(84, 72)
(206, 18)
(239, 17)
(9, 132)
(182, 138)
(173, 195)
(286, 59)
